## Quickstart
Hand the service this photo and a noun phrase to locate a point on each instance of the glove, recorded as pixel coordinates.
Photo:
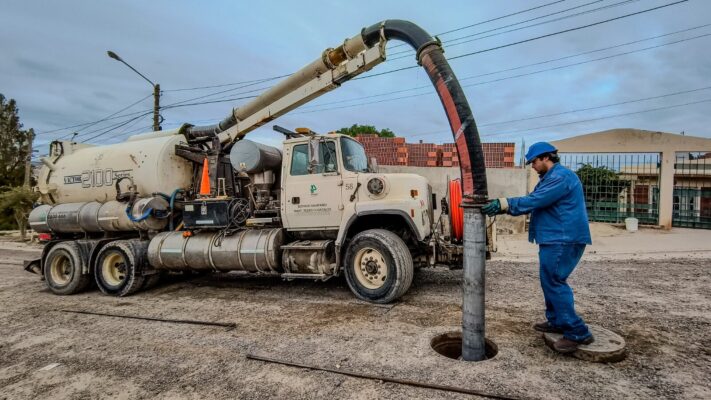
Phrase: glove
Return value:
(493, 208)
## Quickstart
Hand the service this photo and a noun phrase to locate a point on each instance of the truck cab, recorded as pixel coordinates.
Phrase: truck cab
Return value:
(328, 193)
(329, 190)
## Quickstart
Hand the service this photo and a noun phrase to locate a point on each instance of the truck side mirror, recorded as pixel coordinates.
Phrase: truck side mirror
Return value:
(373, 164)
(314, 154)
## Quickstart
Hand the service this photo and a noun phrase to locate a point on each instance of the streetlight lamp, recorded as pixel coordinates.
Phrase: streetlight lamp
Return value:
(156, 91)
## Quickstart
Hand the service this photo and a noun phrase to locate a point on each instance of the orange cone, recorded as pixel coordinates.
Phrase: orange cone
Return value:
(205, 181)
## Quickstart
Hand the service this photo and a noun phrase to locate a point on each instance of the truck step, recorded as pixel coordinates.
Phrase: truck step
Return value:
(318, 277)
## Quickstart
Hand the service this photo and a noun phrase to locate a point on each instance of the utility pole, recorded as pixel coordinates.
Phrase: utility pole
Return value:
(156, 91)
(156, 107)
(28, 161)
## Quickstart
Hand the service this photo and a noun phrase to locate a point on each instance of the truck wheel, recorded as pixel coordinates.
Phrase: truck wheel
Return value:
(63, 269)
(378, 266)
(118, 268)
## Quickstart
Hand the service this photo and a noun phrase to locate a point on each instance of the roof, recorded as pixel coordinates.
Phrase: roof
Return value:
(628, 140)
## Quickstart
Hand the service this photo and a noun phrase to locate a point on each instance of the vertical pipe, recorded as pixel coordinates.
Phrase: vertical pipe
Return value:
(473, 287)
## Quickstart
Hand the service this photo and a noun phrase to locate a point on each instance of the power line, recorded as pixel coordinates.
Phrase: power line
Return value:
(515, 68)
(521, 22)
(600, 118)
(400, 69)
(570, 30)
(257, 81)
(220, 92)
(168, 106)
(597, 107)
(116, 126)
(227, 84)
(212, 101)
(531, 39)
(92, 123)
(515, 76)
(575, 110)
(490, 20)
(121, 124)
(621, 3)
(398, 45)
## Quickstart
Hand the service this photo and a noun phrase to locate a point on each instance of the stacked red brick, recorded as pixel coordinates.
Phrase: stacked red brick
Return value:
(450, 158)
(394, 151)
(499, 155)
(422, 155)
(388, 151)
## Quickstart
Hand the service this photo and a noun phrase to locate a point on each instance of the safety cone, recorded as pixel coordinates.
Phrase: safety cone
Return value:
(205, 181)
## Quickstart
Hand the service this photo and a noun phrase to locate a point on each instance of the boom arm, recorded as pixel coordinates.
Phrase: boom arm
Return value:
(319, 77)
(355, 56)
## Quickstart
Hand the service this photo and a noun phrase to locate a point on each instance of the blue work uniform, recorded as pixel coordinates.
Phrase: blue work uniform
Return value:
(559, 224)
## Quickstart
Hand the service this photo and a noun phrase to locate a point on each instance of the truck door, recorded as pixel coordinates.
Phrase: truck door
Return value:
(312, 200)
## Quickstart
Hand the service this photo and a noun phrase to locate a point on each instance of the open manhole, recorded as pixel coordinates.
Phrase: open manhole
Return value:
(450, 345)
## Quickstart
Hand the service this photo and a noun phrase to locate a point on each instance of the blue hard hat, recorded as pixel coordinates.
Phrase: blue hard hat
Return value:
(537, 149)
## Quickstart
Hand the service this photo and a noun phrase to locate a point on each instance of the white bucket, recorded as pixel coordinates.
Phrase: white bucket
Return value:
(631, 224)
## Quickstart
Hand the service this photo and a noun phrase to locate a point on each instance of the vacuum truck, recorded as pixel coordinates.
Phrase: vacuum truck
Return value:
(204, 198)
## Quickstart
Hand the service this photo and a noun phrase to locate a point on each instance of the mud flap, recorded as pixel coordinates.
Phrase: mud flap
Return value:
(33, 266)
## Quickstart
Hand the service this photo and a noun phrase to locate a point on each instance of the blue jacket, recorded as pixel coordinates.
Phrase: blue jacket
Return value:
(557, 208)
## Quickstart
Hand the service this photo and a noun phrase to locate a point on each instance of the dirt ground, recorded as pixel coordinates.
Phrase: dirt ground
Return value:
(663, 309)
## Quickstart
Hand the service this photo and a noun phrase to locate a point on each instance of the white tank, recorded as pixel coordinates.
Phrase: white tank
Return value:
(84, 173)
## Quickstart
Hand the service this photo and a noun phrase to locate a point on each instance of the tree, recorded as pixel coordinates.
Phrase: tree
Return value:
(601, 183)
(15, 201)
(18, 202)
(602, 187)
(13, 144)
(356, 129)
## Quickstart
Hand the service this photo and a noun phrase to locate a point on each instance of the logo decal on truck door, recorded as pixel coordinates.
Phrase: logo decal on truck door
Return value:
(313, 189)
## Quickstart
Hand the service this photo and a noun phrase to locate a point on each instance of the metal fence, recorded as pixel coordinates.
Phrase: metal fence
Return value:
(618, 185)
(692, 190)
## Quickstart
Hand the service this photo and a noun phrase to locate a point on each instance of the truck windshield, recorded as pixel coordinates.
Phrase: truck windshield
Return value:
(354, 158)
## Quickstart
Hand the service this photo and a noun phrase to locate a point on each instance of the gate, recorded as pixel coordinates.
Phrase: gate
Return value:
(618, 185)
(692, 190)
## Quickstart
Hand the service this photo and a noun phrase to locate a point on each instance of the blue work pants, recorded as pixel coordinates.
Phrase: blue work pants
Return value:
(557, 263)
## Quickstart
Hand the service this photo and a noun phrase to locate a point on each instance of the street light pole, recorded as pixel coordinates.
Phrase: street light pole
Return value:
(156, 91)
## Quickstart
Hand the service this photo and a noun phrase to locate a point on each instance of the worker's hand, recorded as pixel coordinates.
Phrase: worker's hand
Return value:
(493, 208)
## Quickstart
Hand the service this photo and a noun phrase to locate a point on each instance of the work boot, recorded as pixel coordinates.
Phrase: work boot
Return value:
(545, 326)
(565, 345)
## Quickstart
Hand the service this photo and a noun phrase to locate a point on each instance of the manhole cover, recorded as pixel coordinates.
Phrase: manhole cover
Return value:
(450, 345)
(607, 347)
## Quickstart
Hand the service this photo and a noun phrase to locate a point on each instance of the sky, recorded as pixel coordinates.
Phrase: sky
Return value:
(646, 71)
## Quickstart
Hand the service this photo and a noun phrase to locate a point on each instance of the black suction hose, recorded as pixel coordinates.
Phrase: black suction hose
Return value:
(461, 120)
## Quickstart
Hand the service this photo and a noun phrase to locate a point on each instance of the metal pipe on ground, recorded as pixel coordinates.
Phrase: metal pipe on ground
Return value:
(384, 378)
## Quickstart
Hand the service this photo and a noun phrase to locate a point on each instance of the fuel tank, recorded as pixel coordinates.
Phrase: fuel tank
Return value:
(77, 172)
(253, 250)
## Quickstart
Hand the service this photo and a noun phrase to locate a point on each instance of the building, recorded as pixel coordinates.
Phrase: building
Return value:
(657, 177)
(395, 151)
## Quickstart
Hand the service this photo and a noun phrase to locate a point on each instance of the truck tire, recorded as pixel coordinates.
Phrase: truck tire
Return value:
(63, 269)
(118, 267)
(378, 266)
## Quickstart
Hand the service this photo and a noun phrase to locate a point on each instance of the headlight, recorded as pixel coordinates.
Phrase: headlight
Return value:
(376, 186)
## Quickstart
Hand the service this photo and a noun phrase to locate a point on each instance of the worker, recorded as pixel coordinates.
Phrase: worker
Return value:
(559, 225)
